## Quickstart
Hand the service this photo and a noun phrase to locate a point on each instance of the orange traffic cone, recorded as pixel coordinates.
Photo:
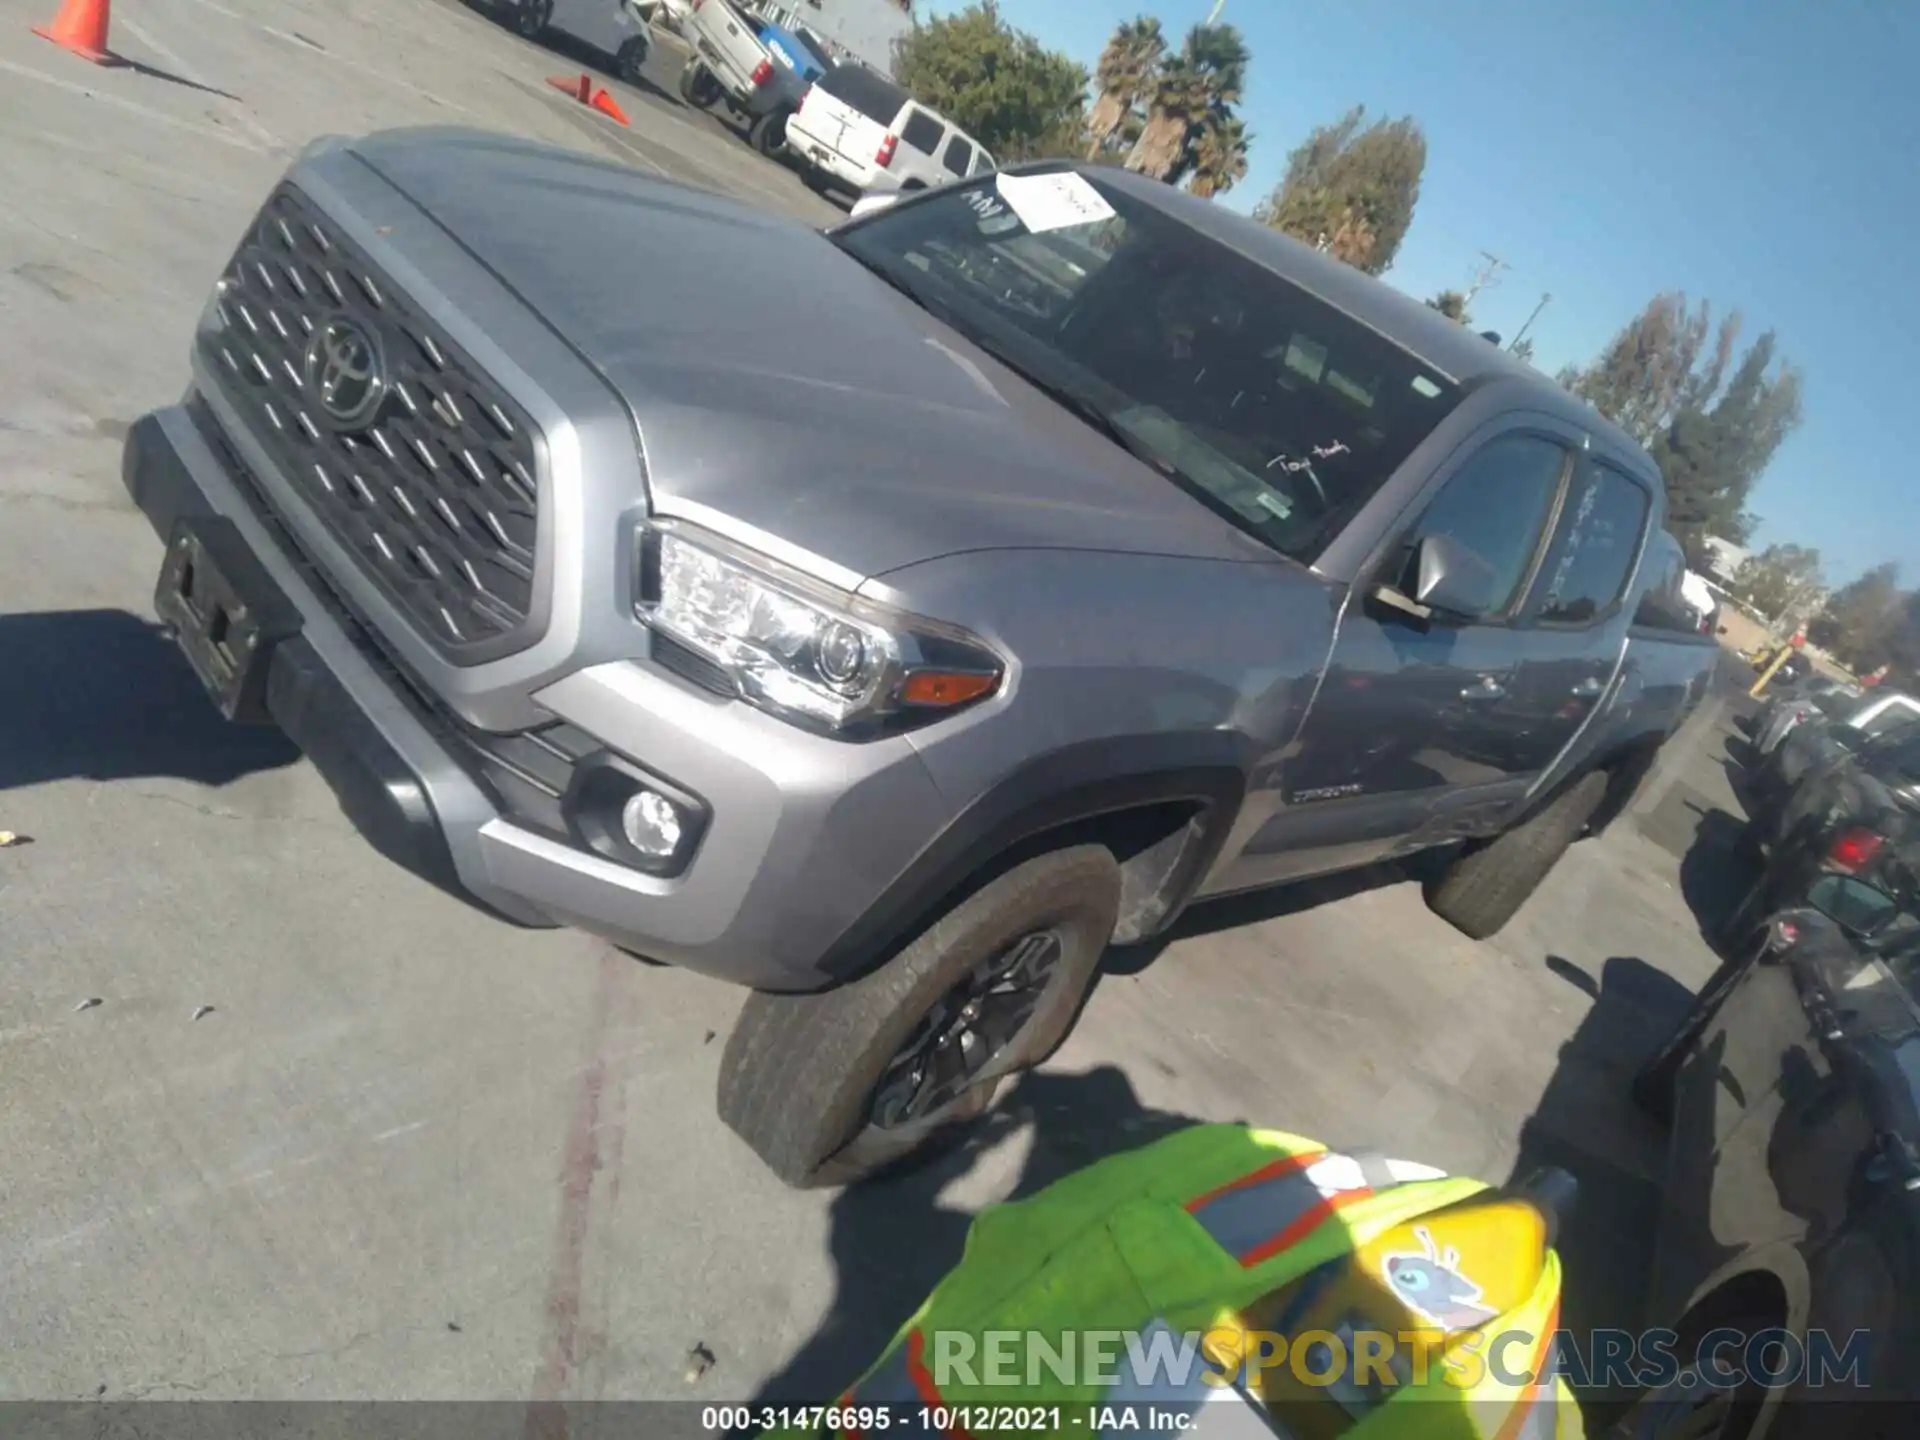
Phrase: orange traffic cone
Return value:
(81, 27)
(580, 89)
(608, 106)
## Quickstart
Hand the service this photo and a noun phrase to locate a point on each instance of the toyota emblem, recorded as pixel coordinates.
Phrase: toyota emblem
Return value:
(345, 372)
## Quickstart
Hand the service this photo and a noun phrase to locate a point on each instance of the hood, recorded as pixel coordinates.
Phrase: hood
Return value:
(776, 381)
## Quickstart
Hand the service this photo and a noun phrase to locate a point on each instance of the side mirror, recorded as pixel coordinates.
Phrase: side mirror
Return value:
(873, 204)
(1852, 904)
(1449, 581)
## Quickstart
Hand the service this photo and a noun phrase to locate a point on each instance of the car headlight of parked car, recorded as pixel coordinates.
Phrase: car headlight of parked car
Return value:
(801, 649)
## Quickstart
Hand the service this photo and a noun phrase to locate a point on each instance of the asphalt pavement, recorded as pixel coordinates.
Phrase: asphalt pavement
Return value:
(282, 1122)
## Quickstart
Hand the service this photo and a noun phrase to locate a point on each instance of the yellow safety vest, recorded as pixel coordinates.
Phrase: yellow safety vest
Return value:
(1319, 1293)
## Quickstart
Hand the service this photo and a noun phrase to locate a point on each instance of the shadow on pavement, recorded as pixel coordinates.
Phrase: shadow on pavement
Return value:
(892, 1239)
(1716, 872)
(103, 695)
(1586, 1124)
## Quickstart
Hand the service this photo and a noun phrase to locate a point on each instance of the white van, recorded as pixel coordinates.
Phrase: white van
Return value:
(858, 128)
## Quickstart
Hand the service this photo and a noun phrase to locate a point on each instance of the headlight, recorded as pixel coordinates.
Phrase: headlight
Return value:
(802, 649)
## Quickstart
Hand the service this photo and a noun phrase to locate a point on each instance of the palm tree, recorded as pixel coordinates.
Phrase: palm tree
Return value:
(1219, 53)
(1218, 155)
(1125, 74)
(1179, 100)
(1199, 83)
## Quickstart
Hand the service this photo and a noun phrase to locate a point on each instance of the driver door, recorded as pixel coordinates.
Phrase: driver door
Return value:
(1410, 713)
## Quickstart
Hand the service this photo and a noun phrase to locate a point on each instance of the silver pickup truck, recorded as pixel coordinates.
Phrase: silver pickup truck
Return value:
(957, 593)
(732, 65)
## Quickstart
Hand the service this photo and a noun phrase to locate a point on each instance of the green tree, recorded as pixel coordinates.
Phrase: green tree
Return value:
(1124, 77)
(1781, 582)
(1859, 619)
(1664, 379)
(1351, 189)
(1452, 304)
(1000, 84)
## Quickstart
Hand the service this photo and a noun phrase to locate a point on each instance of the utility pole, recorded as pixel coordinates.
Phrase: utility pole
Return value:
(1487, 274)
(1544, 298)
(1213, 16)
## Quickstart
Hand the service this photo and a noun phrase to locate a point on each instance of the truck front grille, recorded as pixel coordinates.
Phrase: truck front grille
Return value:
(421, 465)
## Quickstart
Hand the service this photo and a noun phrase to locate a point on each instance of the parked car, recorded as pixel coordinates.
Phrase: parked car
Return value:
(1792, 1196)
(858, 129)
(759, 72)
(893, 627)
(1818, 696)
(1817, 744)
(616, 28)
(1853, 815)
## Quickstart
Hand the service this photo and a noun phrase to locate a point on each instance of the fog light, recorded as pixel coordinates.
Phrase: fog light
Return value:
(651, 824)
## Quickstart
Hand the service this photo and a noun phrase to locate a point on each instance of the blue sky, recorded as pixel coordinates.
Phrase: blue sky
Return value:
(1765, 155)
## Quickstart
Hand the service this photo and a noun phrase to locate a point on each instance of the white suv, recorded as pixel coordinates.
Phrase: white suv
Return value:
(860, 129)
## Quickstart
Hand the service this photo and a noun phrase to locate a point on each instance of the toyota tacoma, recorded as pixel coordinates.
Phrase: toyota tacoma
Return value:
(958, 592)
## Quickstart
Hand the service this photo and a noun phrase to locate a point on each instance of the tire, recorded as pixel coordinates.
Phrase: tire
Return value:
(1700, 1412)
(633, 55)
(800, 1079)
(697, 86)
(1483, 889)
(769, 134)
(531, 17)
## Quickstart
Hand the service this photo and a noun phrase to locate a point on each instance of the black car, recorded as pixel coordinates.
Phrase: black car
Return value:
(1787, 1263)
(1855, 811)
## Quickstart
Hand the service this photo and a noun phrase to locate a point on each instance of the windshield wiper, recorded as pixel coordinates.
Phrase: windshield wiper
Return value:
(1087, 410)
(1093, 413)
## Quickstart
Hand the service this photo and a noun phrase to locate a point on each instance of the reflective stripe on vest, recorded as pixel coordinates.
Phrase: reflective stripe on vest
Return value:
(1257, 1216)
(903, 1383)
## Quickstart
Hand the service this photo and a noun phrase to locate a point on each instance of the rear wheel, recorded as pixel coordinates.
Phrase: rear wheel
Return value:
(769, 134)
(632, 57)
(1484, 888)
(827, 1088)
(697, 86)
(531, 17)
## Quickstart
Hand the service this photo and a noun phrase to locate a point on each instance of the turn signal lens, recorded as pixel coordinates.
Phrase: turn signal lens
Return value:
(946, 688)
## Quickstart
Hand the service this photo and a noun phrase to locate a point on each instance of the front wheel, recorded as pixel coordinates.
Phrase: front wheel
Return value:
(633, 55)
(829, 1087)
(531, 17)
(1484, 888)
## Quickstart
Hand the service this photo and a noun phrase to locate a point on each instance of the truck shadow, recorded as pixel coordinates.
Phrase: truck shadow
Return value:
(1586, 1124)
(1715, 872)
(103, 695)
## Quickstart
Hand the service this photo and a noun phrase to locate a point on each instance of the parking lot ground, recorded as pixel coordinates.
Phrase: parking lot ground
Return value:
(328, 1133)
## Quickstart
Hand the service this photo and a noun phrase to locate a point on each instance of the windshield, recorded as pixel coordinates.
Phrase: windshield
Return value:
(874, 96)
(1267, 404)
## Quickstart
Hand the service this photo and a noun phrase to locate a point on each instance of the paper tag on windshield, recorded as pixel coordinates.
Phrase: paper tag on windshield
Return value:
(1052, 202)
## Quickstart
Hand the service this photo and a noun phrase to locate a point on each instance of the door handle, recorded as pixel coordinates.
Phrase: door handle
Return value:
(1588, 688)
(1488, 689)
